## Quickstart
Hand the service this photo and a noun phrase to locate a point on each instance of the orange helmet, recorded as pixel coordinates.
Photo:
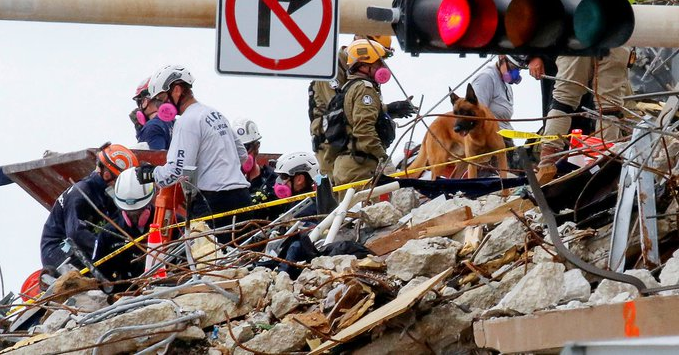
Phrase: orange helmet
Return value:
(385, 41)
(116, 158)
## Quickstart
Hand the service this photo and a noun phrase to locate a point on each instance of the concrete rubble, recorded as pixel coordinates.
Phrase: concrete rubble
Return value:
(511, 269)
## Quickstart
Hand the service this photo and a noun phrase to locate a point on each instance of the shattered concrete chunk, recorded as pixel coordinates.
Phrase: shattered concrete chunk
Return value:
(610, 291)
(540, 288)
(88, 335)
(55, 321)
(440, 329)
(282, 303)
(405, 199)
(506, 235)
(214, 351)
(337, 263)
(483, 297)
(577, 287)
(572, 305)
(89, 301)
(191, 333)
(282, 282)
(310, 279)
(253, 289)
(381, 214)
(283, 337)
(669, 275)
(423, 257)
(258, 319)
(540, 255)
(227, 274)
(242, 332)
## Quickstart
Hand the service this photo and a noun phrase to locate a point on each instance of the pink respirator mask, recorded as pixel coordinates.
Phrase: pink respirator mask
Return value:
(167, 112)
(248, 165)
(382, 75)
(281, 189)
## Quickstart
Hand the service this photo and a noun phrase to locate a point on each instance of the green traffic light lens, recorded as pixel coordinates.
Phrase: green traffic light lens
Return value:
(589, 22)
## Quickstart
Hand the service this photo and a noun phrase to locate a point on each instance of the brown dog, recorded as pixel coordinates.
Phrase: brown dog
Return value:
(462, 137)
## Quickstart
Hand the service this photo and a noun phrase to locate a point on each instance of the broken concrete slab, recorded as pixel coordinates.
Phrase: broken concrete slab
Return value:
(226, 274)
(282, 282)
(55, 321)
(423, 257)
(381, 214)
(282, 303)
(669, 275)
(577, 287)
(310, 279)
(338, 263)
(242, 333)
(405, 199)
(610, 291)
(88, 302)
(506, 235)
(542, 287)
(191, 333)
(440, 329)
(88, 335)
(286, 336)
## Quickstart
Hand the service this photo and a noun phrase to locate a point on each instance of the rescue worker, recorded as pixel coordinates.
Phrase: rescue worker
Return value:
(134, 201)
(261, 177)
(612, 82)
(493, 89)
(151, 129)
(296, 174)
(202, 138)
(66, 221)
(365, 112)
(320, 94)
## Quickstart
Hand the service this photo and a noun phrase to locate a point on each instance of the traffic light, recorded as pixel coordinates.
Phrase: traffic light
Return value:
(556, 27)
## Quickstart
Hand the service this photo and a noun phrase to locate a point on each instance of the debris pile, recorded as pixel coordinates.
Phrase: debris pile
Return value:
(435, 267)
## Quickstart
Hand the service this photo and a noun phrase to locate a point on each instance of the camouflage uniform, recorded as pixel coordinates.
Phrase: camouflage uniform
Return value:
(362, 106)
(320, 94)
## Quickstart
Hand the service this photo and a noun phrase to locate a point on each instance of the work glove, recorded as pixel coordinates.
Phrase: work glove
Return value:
(400, 109)
(145, 173)
(133, 117)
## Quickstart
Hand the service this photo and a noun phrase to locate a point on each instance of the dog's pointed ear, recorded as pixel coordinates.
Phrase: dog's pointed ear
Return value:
(471, 95)
(453, 96)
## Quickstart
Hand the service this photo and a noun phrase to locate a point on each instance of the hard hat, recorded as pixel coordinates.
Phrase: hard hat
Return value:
(519, 60)
(247, 131)
(364, 51)
(142, 89)
(129, 194)
(385, 41)
(165, 76)
(116, 158)
(299, 162)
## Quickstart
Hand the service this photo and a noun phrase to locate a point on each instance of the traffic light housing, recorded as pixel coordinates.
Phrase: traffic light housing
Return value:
(533, 27)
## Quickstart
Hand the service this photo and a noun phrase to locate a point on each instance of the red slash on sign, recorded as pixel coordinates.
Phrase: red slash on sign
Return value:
(309, 47)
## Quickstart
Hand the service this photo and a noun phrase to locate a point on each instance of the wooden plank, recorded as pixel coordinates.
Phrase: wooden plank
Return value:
(397, 239)
(543, 331)
(384, 313)
(491, 217)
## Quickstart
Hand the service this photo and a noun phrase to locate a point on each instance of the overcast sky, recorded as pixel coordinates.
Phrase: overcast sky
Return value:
(67, 87)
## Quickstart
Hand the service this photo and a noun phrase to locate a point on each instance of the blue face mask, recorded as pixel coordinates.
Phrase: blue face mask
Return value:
(512, 76)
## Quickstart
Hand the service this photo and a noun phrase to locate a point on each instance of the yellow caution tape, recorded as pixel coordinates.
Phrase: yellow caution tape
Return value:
(508, 133)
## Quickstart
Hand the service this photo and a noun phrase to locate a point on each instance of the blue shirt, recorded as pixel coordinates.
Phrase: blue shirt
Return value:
(157, 133)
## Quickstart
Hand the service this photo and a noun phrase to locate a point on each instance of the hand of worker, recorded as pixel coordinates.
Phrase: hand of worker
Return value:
(536, 68)
(400, 109)
(145, 173)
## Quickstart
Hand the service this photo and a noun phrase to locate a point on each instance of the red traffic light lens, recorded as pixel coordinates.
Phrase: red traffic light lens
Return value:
(453, 18)
(482, 26)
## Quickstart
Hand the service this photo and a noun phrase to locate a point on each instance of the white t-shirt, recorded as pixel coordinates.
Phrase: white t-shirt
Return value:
(202, 137)
(495, 93)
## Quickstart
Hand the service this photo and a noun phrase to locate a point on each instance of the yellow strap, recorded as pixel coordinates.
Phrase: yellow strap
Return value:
(508, 133)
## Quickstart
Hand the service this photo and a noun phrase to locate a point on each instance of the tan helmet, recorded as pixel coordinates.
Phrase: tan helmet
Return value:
(364, 51)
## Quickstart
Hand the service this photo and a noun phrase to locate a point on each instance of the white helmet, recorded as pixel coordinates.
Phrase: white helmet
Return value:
(165, 76)
(247, 131)
(129, 194)
(299, 162)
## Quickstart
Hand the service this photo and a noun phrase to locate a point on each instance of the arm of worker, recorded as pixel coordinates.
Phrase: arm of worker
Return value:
(183, 152)
(76, 211)
(536, 67)
(365, 109)
(240, 148)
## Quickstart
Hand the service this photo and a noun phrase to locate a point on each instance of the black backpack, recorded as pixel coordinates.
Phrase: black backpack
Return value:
(335, 124)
